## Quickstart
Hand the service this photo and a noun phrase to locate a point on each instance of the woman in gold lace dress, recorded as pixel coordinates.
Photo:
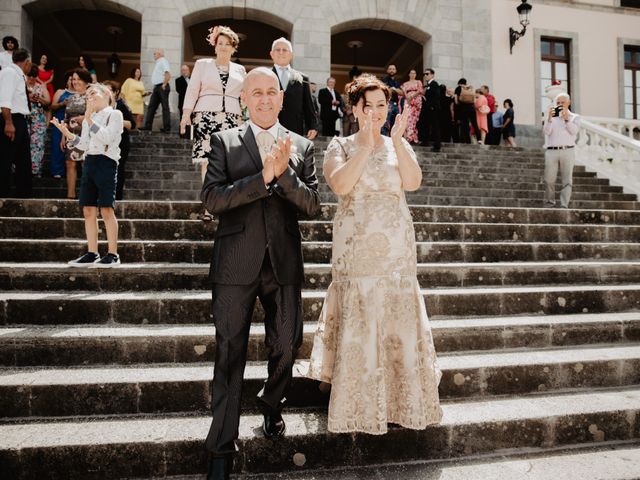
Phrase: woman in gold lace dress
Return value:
(373, 343)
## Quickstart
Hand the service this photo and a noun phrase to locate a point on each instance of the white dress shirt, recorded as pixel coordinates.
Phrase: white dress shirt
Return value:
(334, 107)
(161, 66)
(103, 137)
(6, 59)
(13, 90)
(559, 133)
(273, 130)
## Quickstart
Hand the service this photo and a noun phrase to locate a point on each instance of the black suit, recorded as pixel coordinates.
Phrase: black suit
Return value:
(181, 88)
(429, 120)
(257, 252)
(327, 114)
(297, 110)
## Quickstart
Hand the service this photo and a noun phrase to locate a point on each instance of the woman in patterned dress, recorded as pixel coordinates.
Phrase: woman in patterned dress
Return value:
(413, 102)
(212, 99)
(39, 98)
(373, 342)
(73, 117)
(58, 107)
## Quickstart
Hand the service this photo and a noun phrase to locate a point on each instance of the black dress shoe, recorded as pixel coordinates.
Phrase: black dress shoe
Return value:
(273, 425)
(220, 468)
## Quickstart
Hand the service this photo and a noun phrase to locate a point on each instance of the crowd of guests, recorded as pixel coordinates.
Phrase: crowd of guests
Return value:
(437, 114)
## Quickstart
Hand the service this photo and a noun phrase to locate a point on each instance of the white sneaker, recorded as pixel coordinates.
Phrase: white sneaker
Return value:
(108, 261)
(86, 260)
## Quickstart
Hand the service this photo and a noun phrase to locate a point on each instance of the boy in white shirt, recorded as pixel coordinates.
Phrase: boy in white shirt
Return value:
(100, 140)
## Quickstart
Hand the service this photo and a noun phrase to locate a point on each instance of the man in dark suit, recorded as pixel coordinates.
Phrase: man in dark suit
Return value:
(297, 108)
(331, 107)
(182, 82)
(429, 120)
(257, 184)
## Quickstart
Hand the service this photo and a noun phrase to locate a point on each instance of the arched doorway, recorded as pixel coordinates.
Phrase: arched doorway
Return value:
(256, 30)
(63, 31)
(371, 46)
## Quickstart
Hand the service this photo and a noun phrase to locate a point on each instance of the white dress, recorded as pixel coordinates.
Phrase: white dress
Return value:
(373, 342)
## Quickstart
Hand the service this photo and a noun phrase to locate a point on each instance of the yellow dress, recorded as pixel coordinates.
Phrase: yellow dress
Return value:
(133, 92)
(373, 341)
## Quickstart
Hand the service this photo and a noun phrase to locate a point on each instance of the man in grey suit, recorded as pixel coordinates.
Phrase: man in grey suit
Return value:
(257, 183)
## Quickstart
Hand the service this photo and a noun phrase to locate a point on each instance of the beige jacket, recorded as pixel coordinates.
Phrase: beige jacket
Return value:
(204, 93)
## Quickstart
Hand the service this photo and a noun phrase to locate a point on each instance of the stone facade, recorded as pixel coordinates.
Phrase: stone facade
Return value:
(455, 33)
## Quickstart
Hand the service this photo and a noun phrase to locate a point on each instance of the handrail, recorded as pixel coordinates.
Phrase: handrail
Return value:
(610, 154)
(621, 125)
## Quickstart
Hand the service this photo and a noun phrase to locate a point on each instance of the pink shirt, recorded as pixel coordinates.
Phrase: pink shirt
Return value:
(205, 93)
(559, 133)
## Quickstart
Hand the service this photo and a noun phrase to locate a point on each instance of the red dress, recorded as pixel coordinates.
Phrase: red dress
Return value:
(45, 75)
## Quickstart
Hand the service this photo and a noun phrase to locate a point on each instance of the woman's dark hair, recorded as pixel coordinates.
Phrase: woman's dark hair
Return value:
(443, 89)
(67, 75)
(47, 67)
(9, 38)
(83, 74)
(133, 72)
(462, 81)
(20, 55)
(509, 102)
(363, 84)
(33, 72)
(88, 63)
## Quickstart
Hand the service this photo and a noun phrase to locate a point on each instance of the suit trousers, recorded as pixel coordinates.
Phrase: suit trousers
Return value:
(159, 96)
(429, 128)
(555, 160)
(467, 114)
(232, 311)
(18, 153)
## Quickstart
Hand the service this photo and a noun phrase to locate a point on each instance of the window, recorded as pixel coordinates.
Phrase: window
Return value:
(631, 82)
(554, 66)
(630, 3)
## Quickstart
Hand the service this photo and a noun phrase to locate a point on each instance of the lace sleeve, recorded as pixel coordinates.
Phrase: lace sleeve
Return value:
(334, 157)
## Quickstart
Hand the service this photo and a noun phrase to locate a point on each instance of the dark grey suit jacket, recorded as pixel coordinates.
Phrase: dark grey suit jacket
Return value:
(253, 219)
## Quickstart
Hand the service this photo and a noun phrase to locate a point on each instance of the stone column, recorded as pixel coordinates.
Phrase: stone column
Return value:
(311, 40)
(476, 42)
(445, 50)
(161, 27)
(12, 17)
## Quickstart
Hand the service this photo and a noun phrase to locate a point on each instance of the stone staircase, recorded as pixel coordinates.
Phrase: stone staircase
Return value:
(535, 314)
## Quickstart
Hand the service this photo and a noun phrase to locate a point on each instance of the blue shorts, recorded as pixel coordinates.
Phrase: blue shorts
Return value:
(98, 183)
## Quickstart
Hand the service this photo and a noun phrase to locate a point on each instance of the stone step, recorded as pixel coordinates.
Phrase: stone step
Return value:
(156, 229)
(60, 345)
(154, 389)
(609, 461)
(429, 175)
(62, 208)
(193, 276)
(22, 308)
(460, 198)
(170, 445)
(192, 251)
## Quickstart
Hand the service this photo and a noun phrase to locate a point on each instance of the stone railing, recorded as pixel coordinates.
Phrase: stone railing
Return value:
(610, 153)
(630, 128)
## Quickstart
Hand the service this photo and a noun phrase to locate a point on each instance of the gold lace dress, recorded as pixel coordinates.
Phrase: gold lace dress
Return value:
(373, 342)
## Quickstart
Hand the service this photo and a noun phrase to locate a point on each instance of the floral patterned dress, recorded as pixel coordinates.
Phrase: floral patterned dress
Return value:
(38, 131)
(75, 109)
(373, 341)
(208, 123)
(414, 106)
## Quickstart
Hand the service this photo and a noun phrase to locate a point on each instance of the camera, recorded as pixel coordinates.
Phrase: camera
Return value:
(557, 110)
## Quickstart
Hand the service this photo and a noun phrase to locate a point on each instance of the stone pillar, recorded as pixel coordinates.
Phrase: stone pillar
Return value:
(11, 18)
(161, 27)
(311, 40)
(476, 42)
(445, 50)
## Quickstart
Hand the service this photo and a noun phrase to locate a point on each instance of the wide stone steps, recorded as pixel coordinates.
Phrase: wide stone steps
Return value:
(192, 251)
(65, 345)
(138, 229)
(188, 307)
(191, 276)
(171, 445)
(132, 209)
(152, 389)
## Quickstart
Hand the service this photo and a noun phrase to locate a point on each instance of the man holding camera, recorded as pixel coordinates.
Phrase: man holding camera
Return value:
(560, 130)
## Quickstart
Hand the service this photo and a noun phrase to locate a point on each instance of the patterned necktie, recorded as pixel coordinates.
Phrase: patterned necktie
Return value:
(265, 143)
